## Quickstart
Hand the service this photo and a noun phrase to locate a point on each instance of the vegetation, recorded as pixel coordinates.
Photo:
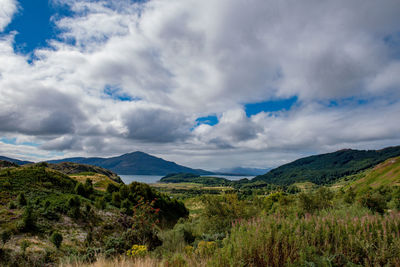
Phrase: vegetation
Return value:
(353, 222)
(46, 216)
(327, 168)
(194, 178)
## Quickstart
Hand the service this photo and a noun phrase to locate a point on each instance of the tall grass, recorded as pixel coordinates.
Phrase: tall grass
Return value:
(325, 240)
(116, 262)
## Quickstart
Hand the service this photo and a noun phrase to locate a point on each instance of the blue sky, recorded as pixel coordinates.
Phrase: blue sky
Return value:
(34, 25)
(188, 77)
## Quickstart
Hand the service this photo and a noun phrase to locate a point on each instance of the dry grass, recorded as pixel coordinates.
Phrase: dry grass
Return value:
(100, 181)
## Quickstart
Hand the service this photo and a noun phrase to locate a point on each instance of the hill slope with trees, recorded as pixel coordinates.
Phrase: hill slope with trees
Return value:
(327, 168)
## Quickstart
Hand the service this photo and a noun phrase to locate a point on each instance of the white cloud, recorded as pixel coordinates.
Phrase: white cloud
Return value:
(7, 10)
(183, 59)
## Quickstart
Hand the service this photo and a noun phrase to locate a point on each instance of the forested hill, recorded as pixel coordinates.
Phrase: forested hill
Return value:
(16, 161)
(137, 162)
(326, 168)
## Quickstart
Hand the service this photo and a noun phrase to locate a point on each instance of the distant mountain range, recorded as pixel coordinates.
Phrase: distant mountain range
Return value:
(242, 171)
(16, 161)
(138, 163)
(327, 168)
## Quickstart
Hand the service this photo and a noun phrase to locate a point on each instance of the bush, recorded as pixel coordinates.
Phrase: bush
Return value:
(5, 236)
(116, 199)
(12, 205)
(111, 188)
(56, 238)
(80, 189)
(28, 222)
(100, 203)
(137, 251)
(21, 200)
(374, 201)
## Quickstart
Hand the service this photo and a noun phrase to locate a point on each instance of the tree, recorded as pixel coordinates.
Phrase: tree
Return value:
(56, 238)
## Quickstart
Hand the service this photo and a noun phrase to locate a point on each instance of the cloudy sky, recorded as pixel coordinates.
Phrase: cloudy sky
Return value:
(209, 84)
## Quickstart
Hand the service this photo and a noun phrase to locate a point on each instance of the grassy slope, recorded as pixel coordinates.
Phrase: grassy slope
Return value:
(386, 173)
(100, 181)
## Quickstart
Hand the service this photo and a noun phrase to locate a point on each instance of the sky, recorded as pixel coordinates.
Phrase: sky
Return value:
(208, 84)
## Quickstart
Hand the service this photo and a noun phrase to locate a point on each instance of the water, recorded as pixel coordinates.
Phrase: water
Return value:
(151, 179)
(148, 179)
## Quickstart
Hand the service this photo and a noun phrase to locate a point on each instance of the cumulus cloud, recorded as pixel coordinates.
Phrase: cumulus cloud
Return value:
(178, 60)
(7, 10)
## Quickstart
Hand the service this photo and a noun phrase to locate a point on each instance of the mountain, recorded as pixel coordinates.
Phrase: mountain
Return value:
(137, 162)
(16, 161)
(242, 171)
(326, 168)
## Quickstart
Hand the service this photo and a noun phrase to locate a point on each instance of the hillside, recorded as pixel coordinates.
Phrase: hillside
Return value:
(327, 168)
(242, 171)
(71, 169)
(135, 163)
(37, 202)
(16, 161)
(386, 173)
(7, 164)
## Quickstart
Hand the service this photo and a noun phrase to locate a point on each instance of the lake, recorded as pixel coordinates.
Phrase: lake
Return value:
(151, 179)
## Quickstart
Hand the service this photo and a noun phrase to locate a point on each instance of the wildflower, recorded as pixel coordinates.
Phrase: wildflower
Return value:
(137, 251)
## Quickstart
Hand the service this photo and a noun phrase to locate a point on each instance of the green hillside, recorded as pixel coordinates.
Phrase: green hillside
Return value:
(36, 202)
(385, 174)
(194, 178)
(71, 168)
(327, 168)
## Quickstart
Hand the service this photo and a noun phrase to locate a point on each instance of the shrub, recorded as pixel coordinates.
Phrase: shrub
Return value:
(5, 236)
(88, 187)
(100, 203)
(12, 205)
(349, 196)
(111, 188)
(126, 206)
(56, 238)
(116, 199)
(137, 251)
(124, 191)
(21, 200)
(24, 245)
(374, 201)
(28, 221)
(80, 189)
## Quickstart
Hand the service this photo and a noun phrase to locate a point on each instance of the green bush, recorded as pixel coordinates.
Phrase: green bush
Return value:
(28, 222)
(374, 201)
(116, 199)
(21, 200)
(80, 189)
(100, 203)
(5, 236)
(56, 238)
